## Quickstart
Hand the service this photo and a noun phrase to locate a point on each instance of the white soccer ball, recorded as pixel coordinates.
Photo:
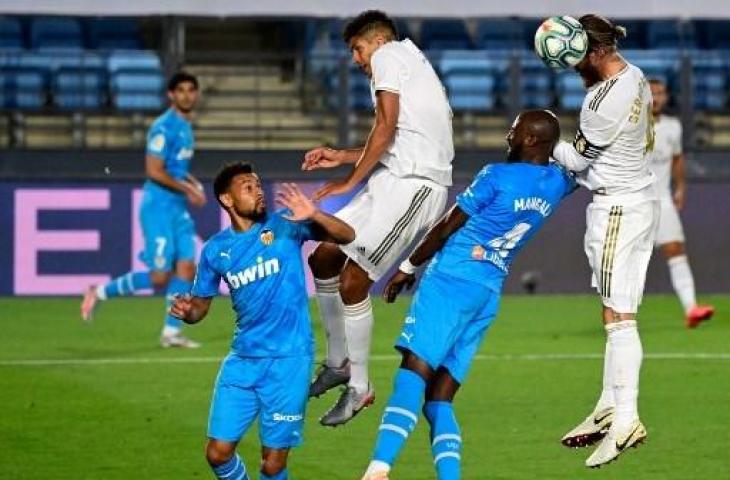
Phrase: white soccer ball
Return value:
(561, 42)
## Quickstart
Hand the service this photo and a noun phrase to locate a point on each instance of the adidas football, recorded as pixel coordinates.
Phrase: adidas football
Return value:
(561, 42)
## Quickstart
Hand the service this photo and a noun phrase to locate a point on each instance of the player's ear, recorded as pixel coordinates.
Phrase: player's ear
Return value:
(226, 200)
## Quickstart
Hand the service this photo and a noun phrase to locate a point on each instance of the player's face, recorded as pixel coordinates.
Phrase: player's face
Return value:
(659, 95)
(362, 49)
(588, 68)
(184, 97)
(514, 140)
(245, 196)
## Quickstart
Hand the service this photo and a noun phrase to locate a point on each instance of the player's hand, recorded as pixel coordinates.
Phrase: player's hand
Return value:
(336, 187)
(181, 306)
(195, 194)
(321, 157)
(290, 196)
(679, 198)
(395, 285)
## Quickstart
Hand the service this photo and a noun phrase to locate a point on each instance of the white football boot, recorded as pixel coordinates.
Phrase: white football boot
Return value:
(589, 431)
(615, 443)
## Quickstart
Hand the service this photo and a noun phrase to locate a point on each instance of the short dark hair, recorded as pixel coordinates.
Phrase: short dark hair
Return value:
(602, 33)
(181, 77)
(367, 21)
(224, 177)
(657, 81)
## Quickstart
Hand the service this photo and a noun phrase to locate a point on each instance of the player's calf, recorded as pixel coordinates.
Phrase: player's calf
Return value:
(273, 464)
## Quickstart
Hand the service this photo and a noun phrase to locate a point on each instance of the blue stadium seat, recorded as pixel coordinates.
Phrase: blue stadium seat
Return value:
(469, 78)
(664, 34)
(75, 88)
(635, 34)
(713, 34)
(51, 32)
(444, 35)
(11, 33)
(570, 90)
(22, 88)
(114, 34)
(499, 34)
(358, 90)
(710, 80)
(536, 83)
(136, 80)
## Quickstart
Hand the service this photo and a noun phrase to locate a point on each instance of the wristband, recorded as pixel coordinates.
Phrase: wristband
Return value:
(407, 267)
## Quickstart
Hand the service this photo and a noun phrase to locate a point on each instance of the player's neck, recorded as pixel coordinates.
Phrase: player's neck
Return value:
(182, 114)
(613, 66)
(241, 224)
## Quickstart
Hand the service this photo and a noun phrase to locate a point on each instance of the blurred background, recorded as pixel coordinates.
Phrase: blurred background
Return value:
(81, 81)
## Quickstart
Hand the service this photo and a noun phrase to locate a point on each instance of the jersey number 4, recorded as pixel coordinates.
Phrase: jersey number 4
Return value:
(504, 244)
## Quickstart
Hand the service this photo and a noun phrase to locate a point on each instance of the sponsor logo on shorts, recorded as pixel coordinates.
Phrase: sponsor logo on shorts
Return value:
(410, 319)
(407, 336)
(285, 417)
(160, 262)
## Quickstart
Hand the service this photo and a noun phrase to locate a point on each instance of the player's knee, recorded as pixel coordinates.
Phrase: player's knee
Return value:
(326, 261)
(354, 284)
(273, 464)
(218, 453)
(673, 249)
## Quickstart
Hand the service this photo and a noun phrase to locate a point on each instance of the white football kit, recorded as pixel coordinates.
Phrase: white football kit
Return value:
(667, 145)
(609, 156)
(409, 194)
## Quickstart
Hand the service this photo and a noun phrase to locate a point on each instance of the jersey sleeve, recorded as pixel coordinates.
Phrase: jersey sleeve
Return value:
(207, 279)
(677, 140)
(301, 231)
(157, 142)
(480, 193)
(388, 72)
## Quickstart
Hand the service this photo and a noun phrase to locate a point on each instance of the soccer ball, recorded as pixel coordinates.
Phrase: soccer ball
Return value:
(561, 42)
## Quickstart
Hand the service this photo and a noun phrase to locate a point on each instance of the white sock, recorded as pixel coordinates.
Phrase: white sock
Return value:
(331, 311)
(377, 466)
(626, 355)
(607, 398)
(682, 281)
(101, 292)
(358, 329)
(168, 331)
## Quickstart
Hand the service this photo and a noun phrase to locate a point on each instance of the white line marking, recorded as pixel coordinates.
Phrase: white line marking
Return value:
(50, 362)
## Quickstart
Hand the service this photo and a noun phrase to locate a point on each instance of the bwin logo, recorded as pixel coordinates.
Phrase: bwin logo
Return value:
(251, 274)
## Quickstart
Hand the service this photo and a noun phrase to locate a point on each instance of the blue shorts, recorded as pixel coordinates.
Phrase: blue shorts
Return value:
(274, 389)
(169, 234)
(447, 321)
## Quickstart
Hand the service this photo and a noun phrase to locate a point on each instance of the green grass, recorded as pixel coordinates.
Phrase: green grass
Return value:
(147, 420)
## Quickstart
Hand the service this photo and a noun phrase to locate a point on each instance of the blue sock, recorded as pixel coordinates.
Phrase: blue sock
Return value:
(176, 286)
(233, 469)
(282, 475)
(400, 416)
(445, 439)
(127, 284)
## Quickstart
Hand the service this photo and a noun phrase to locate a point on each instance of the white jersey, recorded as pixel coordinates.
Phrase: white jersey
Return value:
(423, 145)
(615, 133)
(667, 145)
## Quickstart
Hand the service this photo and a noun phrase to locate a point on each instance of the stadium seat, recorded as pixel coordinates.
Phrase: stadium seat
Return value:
(499, 34)
(664, 34)
(710, 81)
(469, 78)
(52, 32)
(136, 80)
(444, 35)
(570, 90)
(536, 83)
(11, 33)
(635, 34)
(713, 34)
(22, 88)
(75, 88)
(114, 33)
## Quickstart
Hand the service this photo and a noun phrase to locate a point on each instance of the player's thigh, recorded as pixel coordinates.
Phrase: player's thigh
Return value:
(184, 236)
(460, 357)
(235, 403)
(670, 226)
(159, 238)
(400, 209)
(283, 395)
(625, 255)
(441, 308)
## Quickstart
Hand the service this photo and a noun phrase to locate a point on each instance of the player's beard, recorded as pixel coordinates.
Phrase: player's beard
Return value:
(590, 75)
(514, 154)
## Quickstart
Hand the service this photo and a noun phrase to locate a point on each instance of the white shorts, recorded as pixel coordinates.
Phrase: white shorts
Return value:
(388, 214)
(619, 240)
(670, 226)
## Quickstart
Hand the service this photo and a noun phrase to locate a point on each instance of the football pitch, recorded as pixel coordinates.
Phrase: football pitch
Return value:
(104, 401)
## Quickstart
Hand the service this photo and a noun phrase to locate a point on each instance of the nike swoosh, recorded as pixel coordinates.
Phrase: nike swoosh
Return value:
(622, 445)
(597, 420)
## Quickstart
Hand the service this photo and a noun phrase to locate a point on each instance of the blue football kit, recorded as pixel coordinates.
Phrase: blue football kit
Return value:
(458, 296)
(268, 370)
(168, 229)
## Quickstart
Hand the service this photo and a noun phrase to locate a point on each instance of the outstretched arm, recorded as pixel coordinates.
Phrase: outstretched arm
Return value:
(190, 309)
(434, 240)
(325, 227)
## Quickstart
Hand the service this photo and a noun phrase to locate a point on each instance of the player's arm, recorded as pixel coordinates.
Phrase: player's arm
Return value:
(326, 157)
(190, 309)
(155, 171)
(679, 180)
(595, 134)
(434, 241)
(380, 137)
(320, 226)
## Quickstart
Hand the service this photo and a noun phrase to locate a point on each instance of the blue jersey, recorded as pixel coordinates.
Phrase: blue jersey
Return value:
(506, 203)
(263, 270)
(170, 138)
